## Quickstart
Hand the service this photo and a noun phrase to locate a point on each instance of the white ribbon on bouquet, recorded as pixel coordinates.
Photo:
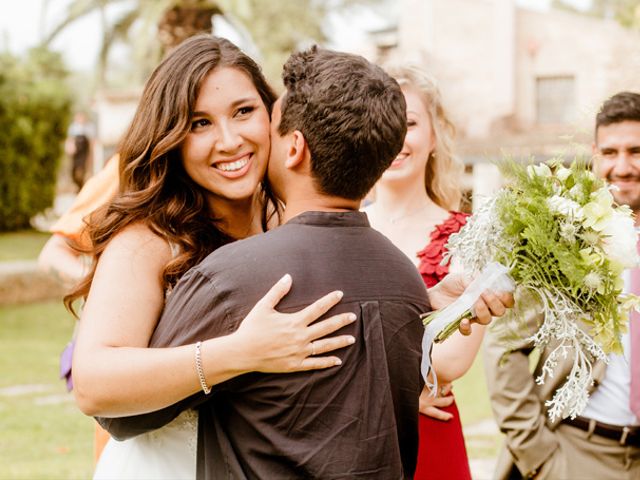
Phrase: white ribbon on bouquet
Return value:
(495, 277)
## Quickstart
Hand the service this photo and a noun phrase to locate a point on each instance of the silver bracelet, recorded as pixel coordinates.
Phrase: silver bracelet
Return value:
(200, 371)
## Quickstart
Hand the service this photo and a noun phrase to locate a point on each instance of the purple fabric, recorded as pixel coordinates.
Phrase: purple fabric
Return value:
(65, 364)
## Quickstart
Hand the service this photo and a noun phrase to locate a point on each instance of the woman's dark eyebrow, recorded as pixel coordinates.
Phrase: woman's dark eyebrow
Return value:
(234, 104)
(243, 100)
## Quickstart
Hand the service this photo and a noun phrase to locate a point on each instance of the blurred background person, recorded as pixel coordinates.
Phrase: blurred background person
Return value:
(416, 206)
(79, 146)
(62, 255)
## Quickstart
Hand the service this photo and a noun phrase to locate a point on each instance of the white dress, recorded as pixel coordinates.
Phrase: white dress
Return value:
(166, 453)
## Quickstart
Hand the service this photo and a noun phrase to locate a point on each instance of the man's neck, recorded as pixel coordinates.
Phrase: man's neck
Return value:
(317, 203)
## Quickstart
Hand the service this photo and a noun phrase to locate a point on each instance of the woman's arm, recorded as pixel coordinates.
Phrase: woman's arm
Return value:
(453, 357)
(57, 257)
(116, 375)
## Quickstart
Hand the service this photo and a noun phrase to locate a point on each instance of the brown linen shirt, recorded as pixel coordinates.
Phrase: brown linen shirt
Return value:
(358, 420)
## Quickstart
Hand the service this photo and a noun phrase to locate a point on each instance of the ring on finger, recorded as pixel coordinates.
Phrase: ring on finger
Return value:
(442, 391)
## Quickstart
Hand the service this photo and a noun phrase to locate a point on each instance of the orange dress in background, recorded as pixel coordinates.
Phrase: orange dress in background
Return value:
(98, 190)
(441, 450)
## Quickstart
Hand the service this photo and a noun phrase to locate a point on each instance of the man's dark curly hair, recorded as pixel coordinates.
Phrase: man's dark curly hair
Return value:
(351, 113)
(622, 107)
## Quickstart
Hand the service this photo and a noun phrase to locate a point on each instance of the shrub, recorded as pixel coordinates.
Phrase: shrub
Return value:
(35, 110)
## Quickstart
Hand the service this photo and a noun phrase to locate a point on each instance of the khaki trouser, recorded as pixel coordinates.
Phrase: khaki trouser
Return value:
(583, 457)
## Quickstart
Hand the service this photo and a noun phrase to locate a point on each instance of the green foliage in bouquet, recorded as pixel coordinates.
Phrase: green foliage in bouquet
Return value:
(560, 246)
(566, 244)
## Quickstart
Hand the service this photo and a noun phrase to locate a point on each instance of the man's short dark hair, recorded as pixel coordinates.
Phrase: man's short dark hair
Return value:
(622, 107)
(351, 113)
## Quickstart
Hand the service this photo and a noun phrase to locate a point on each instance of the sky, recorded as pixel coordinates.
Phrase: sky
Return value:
(22, 23)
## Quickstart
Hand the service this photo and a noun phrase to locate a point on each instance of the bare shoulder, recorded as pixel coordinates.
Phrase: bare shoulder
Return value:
(138, 243)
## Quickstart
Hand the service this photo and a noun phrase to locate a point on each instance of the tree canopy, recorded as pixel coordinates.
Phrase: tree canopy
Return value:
(151, 26)
(625, 12)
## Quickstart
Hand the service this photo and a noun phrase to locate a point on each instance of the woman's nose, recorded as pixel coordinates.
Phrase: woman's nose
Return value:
(228, 139)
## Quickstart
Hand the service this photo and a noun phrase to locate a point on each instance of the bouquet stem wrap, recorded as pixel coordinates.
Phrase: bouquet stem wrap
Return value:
(440, 325)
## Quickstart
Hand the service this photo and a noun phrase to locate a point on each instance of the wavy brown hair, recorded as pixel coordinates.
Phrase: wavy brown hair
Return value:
(155, 190)
(444, 170)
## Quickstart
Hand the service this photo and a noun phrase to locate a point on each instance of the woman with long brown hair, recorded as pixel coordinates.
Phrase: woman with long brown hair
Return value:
(191, 170)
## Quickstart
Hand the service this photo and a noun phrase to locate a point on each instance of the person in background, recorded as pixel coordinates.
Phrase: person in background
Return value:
(417, 202)
(604, 442)
(62, 255)
(79, 147)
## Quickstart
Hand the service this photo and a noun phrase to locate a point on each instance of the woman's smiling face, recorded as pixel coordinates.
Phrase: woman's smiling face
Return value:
(419, 141)
(227, 148)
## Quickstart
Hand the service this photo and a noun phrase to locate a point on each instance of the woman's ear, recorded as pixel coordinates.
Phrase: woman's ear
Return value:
(297, 150)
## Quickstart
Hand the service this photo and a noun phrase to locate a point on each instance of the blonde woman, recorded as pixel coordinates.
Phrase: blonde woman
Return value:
(416, 206)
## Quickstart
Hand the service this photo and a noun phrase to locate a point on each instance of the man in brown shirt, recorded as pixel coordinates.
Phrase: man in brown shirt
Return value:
(339, 125)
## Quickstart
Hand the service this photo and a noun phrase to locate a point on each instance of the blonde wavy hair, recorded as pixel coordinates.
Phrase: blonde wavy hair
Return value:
(444, 170)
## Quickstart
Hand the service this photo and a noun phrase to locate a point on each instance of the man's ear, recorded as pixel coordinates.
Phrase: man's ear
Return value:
(297, 151)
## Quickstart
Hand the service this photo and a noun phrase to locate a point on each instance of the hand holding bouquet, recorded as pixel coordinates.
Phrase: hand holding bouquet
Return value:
(558, 234)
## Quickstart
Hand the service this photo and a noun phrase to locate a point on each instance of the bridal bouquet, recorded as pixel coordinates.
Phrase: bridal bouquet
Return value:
(557, 237)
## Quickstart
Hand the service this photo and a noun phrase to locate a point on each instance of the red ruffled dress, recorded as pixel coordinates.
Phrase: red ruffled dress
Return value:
(441, 451)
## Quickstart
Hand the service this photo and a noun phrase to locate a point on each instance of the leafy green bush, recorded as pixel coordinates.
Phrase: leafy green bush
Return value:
(35, 110)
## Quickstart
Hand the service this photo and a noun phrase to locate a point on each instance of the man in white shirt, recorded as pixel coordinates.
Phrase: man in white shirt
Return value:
(603, 443)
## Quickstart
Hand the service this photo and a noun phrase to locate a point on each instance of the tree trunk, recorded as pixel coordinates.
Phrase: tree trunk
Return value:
(181, 22)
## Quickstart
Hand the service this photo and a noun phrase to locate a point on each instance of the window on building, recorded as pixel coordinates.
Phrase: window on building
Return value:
(555, 99)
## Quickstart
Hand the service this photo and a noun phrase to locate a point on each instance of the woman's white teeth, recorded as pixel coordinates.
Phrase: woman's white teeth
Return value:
(232, 166)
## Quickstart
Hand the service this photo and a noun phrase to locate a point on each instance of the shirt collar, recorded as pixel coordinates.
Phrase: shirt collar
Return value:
(331, 219)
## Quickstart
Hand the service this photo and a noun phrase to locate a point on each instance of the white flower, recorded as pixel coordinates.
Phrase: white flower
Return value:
(565, 207)
(598, 212)
(620, 239)
(591, 237)
(568, 231)
(563, 173)
(541, 170)
(592, 280)
(576, 193)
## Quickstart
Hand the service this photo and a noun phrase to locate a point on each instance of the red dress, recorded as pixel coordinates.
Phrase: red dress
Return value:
(441, 450)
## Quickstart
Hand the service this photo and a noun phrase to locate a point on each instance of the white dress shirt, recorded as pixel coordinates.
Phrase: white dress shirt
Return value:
(609, 403)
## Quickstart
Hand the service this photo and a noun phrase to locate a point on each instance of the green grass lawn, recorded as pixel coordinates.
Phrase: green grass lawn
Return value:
(471, 394)
(23, 245)
(472, 398)
(43, 434)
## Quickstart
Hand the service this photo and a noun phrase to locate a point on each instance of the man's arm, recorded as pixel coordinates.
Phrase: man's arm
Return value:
(517, 408)
(193, 312)
(122, 428)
